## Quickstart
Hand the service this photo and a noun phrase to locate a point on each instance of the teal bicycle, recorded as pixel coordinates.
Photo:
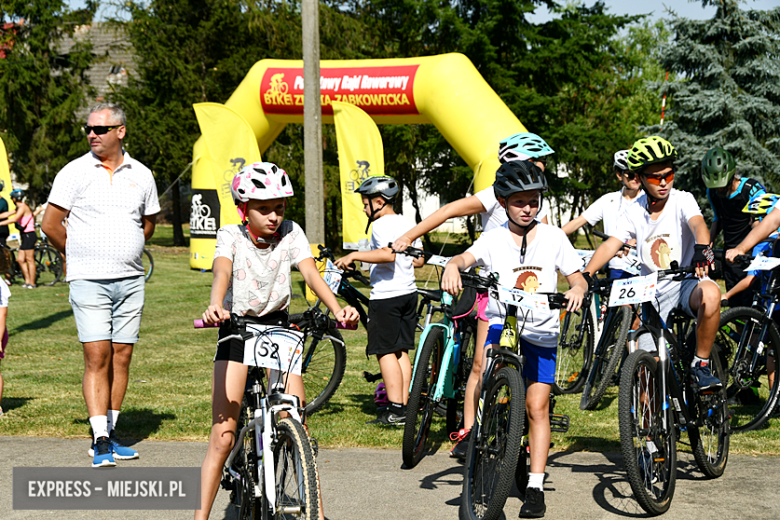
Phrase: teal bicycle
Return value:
(442, 364)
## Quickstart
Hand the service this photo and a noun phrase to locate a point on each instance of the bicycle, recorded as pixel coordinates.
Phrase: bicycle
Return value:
(496, 456)
(442, 363)
(148, 263)
(270, 472)
(749, 341)
(325, 353)
(610, 350)
(48, 264)
(575, 348)
(657, 401)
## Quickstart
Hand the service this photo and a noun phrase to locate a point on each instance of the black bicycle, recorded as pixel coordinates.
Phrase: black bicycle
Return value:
(657, 401)
(48, 265)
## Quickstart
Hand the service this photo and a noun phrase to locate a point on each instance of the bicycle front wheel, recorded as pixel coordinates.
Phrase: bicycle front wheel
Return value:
(48, 265)
(148, 262)
(751, 388)
(246, 463)
(649, 450)
(323, 366)
(710, 437)
(575, 350)
(608, 354)
(420, 408)
(493, 453)
(295, 475)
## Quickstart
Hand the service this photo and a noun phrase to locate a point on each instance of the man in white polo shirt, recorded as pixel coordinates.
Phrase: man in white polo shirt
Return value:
(110, 201)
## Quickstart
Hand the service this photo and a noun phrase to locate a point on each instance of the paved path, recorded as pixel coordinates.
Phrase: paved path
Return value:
(365, 484)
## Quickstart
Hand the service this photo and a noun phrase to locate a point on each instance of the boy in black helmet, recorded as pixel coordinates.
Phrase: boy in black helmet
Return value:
(392, 310)
(527, 255)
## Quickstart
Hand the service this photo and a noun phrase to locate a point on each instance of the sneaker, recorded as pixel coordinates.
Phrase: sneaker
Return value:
(533, 507)
(103, 457)
(120, 451)
(459, 450)
(645, 461)
(703, 378)
(388, 418)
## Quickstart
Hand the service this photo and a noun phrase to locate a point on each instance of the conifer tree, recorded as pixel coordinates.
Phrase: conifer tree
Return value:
(727, 92)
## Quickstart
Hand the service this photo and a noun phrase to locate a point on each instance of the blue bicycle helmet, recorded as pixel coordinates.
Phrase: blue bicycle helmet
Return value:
(522, 146)
(17, 194)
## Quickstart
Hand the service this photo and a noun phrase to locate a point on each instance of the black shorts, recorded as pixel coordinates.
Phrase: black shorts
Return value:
(233, 350)
(28, 241)
(732, 275)
(391, 324)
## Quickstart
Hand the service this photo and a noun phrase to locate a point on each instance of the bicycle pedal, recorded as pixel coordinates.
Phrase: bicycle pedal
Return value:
(559, 423)
(228, 484)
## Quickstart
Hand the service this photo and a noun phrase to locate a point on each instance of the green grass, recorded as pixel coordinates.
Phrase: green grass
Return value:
(169, 391)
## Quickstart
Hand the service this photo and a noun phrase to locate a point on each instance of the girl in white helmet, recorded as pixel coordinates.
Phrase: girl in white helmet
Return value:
(252, 265)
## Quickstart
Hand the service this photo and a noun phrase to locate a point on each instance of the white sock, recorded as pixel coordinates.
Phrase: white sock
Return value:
(536, 480)
(697, 359)
(113, 415)
(99, 425)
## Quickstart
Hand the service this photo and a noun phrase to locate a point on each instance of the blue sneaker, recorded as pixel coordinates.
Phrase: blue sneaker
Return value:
(703, 378)
(103, 457)
(120, 451)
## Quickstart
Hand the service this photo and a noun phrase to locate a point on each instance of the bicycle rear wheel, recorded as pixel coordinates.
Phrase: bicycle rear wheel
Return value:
(323, 366)
(710, 438)
(609, 351)
(48, 265)
(295, 475)
(649, 450)
(752, 391)
(493, 453)
(575, 350)
(420, 408)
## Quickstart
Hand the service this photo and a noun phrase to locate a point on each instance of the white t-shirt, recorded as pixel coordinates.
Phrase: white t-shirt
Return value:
(105, 227)
(261, 281)
(548, 253)
(393, 278)
(495, 215)
(610, 209)
(659, 242)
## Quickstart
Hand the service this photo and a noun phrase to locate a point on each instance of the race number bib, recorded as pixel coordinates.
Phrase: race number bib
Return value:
(441, 261)
(763, 263)
(332, 276)
(277, 348)
(635, 290)
(632, 263)
(585, 255)
(522, 299)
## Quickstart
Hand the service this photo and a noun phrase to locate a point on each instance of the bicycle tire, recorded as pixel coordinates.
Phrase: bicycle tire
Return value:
(15, 271)
(468, 337)
(710, 441)
(245, 463)
(606, 361)
(420, 407)
(323, 366)
(523, 469)
(148, 263)
(741, 382)
(48, 265)
(574, 357)
(493, 453)
(641, 437)
(297, 494)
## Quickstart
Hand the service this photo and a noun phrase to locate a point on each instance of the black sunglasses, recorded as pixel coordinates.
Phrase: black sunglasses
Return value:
(99, 130)
(628, 174)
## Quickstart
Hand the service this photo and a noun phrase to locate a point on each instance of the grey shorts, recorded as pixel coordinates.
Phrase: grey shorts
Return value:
(679, 297)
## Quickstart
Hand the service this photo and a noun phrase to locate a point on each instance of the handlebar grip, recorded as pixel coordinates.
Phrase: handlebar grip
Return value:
(199, 324)
(600, 234)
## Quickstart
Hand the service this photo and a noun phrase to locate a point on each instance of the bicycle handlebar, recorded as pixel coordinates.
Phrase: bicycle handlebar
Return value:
(411, 251)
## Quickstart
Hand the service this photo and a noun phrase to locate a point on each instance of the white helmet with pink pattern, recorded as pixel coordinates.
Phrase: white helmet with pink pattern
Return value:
(260, 181)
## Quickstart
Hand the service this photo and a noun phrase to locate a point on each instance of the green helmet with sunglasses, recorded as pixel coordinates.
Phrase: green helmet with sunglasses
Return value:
(717, 168)
(650, 150)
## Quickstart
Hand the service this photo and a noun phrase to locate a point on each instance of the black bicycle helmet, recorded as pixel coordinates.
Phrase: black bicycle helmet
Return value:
(380, 186)
(17, 194)
(516, 176)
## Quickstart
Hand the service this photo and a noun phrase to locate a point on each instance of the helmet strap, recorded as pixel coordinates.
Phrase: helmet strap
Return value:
(526, 229)
(374, 211)
(275, 238)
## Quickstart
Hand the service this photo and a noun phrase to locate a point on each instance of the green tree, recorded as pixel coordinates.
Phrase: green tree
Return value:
(727, 92)
(42, 87)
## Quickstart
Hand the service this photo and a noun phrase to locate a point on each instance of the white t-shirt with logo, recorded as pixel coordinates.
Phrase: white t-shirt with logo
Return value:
(659, 242)
(495, 215)
(261, 281)
(610, 209)
(548, 253)
(393, 278)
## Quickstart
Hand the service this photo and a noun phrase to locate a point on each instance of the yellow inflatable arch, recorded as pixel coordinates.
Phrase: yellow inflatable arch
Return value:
(446, 91)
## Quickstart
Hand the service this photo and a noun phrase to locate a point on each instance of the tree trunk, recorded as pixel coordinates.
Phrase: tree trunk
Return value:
(178, 233)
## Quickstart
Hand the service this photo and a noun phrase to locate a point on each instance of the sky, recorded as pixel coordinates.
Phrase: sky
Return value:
(658, 9)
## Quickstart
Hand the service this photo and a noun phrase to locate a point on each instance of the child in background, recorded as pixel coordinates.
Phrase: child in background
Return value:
(252, 265)
(392, 309)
